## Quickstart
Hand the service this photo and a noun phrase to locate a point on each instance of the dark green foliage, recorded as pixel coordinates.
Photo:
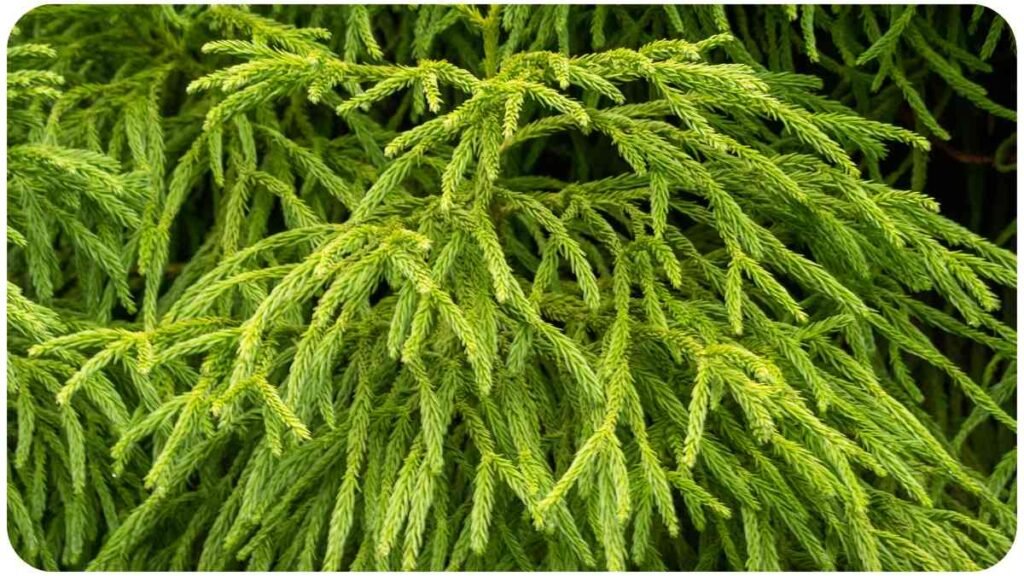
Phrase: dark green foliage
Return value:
(506, 288)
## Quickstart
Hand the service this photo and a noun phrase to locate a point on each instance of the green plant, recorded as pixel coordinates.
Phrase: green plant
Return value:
(491, 288)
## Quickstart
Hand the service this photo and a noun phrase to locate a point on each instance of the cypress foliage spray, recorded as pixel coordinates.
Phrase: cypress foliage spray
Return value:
(509, 287)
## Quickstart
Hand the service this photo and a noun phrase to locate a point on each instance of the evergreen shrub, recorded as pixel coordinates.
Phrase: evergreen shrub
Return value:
(506, 288)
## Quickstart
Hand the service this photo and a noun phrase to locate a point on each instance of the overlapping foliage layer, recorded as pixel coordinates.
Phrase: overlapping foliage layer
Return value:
(499, 288)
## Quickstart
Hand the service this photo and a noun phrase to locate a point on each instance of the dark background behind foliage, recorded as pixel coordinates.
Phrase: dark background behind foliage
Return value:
(962, 175)
(964, 178)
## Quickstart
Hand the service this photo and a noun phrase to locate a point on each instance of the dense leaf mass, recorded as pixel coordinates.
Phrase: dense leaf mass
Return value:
(520, 288)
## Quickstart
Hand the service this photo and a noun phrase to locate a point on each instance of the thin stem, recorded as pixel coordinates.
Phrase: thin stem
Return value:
(492, 34)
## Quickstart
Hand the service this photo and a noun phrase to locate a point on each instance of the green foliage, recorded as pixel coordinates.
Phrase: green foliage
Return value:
(520, 288)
